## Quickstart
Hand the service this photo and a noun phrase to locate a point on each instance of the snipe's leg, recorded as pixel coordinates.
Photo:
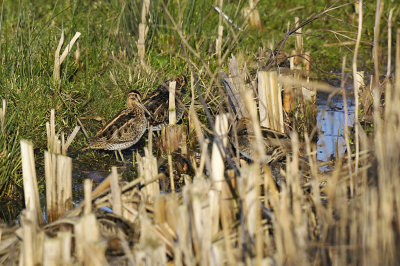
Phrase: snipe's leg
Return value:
(120, 155)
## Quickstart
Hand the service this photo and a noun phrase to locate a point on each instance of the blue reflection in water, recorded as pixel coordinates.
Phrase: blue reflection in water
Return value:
(330, 122)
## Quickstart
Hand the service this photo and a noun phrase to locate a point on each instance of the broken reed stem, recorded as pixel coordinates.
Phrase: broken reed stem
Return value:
(149, 171)
(252, 111)
(171, 102)
(29, 223)
(299, 37)
(51, 204)
(378, 14)
(356, 123)
(219, 44)
(58, 60)
(397, 71)
(87, 189)
(254, 15)
(389, 62)
(346, 118)
(115, 192)
(217, 169)
(172, 121)
(31, 193)
(69, 140)
(171, 173)
(63, 183)
(143, 29)
(270, 101)
(51, 145)
(3, 117)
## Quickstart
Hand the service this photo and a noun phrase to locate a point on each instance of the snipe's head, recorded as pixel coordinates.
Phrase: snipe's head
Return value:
(134, 99)
(181, 82)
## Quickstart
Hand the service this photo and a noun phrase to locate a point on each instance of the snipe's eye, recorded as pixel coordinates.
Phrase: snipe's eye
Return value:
(134, 94)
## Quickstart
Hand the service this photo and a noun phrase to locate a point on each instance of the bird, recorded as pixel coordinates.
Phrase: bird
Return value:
(157, 103)
(124, 130)
(276, 144)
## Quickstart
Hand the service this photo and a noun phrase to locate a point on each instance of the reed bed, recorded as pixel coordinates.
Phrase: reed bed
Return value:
(338, 217)
(227, 211)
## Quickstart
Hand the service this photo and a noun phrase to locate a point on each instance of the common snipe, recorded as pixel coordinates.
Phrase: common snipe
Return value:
(156, 103)
(124, 129)
(276, 144)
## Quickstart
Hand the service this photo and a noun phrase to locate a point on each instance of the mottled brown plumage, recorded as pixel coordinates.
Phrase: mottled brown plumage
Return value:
(157, 103)
(276, 144)
(124, 129)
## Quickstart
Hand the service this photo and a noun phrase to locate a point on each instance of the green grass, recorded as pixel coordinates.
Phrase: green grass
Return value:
(30, 31)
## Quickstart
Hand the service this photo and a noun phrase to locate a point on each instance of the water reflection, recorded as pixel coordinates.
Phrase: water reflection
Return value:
(331, 122)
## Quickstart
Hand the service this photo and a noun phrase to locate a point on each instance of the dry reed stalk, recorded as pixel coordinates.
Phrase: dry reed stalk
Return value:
(299, 39)
(270, 101)
(378, 15)
(143, 29)
(389, 62)
(196, 198)
(226, 224)
(217, 169)
(3, 117)
(258, 145)
(65, 239)
(58, 60)
(115, 192)
(289, 213)
(172, 122)
(101, 187)
(288, 102)
(183, 142)
(270, 188)
(235, 84)
(397, 70)
(317, 85)
(171, 102)
(309, 94)
(346, 118)
(52, 251)
(218, 44)
(32, 244)
(65, 146)
(252, 14)
(31, 193)
(87, 189)
(50, 174)
(28, 229)
(149, 170)
(52, 139)
(249, 189)
(58, 174)
(356, 106)
(64, 184)
(88, 249)
(205, 159)
(151, 250)
(307, 64)
(184, 235)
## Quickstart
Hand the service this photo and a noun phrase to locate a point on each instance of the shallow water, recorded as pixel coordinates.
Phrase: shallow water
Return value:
(331, 121)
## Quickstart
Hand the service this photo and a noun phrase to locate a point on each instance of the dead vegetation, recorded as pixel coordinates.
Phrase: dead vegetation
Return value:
(229, 211)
